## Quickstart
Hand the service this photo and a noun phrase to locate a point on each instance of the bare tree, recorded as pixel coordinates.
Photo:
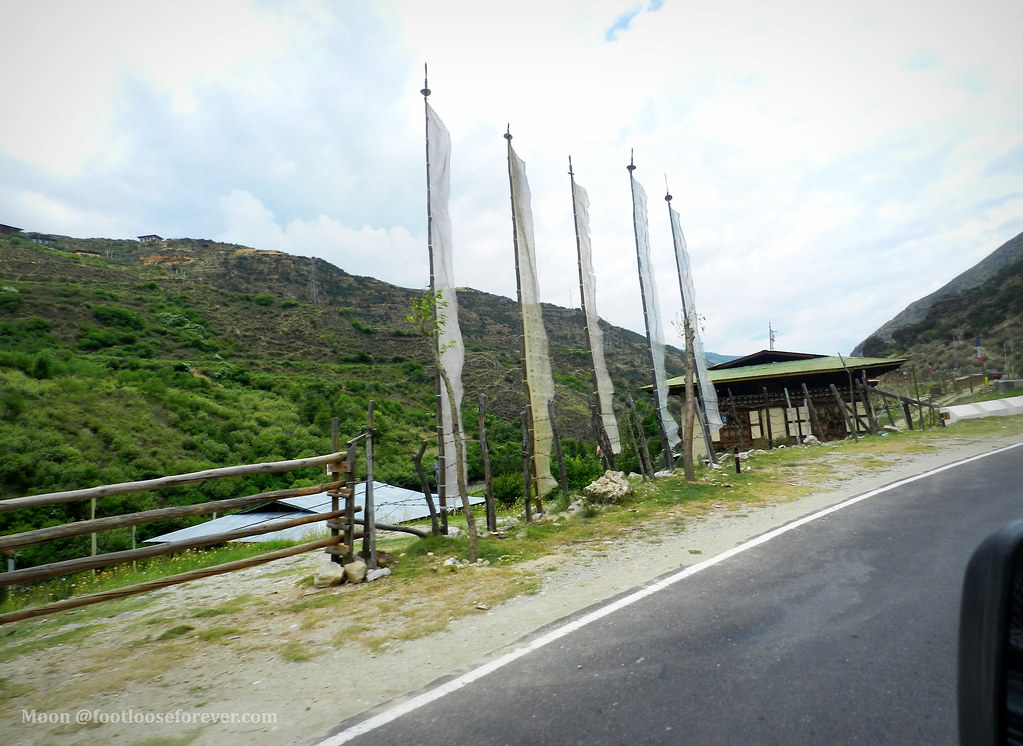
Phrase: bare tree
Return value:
(428, 318)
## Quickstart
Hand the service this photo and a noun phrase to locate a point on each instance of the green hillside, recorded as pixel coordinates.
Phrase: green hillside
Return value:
(945, 337)
(122, 361)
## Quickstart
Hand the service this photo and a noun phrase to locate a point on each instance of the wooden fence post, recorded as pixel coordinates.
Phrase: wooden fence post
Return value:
(812, 413)
(799, 419)
(647, 463)
(635, 446)
(417, 460)
(562, 478)
(332, 471)
(845, 412)
(349, 534)
(738, 422)
(369, 533)
(485, 456)
(526, 471)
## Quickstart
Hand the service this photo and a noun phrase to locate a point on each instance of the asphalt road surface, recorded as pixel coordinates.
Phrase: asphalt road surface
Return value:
(839, 630)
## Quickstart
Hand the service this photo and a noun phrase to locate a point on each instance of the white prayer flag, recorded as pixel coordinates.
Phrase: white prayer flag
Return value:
(452, 350)
(685, 277)
(651, 313)
(588, 287)
(539, 378)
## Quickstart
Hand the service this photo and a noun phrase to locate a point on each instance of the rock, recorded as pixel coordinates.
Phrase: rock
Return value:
(663, 474)
(608, 488)
(811, 440)
(454, 532)
(380, 572)
(384, 559)
(355, 571)
(328, 574)
(452, 562)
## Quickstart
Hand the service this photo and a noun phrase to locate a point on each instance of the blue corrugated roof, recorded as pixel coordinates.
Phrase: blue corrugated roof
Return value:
(393, 505)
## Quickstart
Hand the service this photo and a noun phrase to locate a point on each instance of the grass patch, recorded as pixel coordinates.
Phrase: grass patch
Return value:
(88, 582)
(230, 607)
(169, 740)
(10, 689)
(217, 634)
(177, 631)
(43, 642)
(295, 651)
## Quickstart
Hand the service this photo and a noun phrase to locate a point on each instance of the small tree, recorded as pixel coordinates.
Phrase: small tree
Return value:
(428, 318)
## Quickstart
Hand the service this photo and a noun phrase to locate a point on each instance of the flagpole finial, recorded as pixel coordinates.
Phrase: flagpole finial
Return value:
(507, 133)
(426, 82)
(632, 165)
(667, 191)
(570, 172)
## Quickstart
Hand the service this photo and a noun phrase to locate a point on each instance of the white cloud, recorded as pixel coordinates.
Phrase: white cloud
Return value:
(830, 163)
(248, 222)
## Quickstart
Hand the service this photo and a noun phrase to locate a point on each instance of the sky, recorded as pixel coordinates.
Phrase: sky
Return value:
(831, 162)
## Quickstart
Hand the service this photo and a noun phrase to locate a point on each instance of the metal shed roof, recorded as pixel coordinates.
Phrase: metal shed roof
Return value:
(392, 505)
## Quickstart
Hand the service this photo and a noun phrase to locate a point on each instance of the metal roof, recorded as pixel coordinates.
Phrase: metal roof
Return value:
(392, 505)
(809, 366)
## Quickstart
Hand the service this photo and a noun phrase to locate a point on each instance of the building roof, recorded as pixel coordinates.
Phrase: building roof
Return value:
(764, 356)
(794, 366)
(392, 505)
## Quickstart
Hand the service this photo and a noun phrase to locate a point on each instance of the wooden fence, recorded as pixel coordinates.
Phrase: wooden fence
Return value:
(344, 527)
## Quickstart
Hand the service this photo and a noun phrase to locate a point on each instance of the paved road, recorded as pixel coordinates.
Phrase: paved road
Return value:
(839, 631)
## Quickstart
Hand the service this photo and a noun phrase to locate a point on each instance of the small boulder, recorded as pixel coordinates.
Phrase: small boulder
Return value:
(327, 574)
(608, 488)
(355, 571)
(380, 572)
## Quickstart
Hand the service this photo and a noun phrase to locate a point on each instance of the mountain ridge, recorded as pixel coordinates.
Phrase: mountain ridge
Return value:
(917, 311)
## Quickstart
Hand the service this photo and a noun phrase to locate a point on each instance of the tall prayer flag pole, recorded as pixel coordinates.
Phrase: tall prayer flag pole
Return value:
(706, 397)
(537, 378)
(450, 352)
(603, 392)
(651, 317)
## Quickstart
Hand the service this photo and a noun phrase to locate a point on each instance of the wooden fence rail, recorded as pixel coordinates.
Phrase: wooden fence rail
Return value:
(340, 520)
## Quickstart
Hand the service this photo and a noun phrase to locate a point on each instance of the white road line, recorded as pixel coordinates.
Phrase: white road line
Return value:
(469, 677)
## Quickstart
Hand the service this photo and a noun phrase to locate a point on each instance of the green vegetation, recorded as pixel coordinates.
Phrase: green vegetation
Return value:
(141, 364)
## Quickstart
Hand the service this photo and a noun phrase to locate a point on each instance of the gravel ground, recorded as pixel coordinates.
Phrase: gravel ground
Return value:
(108, 677)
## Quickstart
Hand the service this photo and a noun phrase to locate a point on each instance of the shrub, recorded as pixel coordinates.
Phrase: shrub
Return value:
(10, 299)
(507, 488)
(118, 318)
(263, 299)
(582, 470)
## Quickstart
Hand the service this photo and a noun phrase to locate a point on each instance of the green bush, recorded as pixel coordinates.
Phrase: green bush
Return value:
(10, 299)
(508, 488)
(118, 318)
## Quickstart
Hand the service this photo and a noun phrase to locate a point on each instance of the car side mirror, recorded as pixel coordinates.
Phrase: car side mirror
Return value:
(991, 642)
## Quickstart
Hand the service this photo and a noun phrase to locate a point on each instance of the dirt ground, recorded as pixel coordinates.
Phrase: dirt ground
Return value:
(205, 662)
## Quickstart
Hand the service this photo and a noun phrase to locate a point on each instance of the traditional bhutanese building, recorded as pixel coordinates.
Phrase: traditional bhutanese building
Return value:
(777, 397)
